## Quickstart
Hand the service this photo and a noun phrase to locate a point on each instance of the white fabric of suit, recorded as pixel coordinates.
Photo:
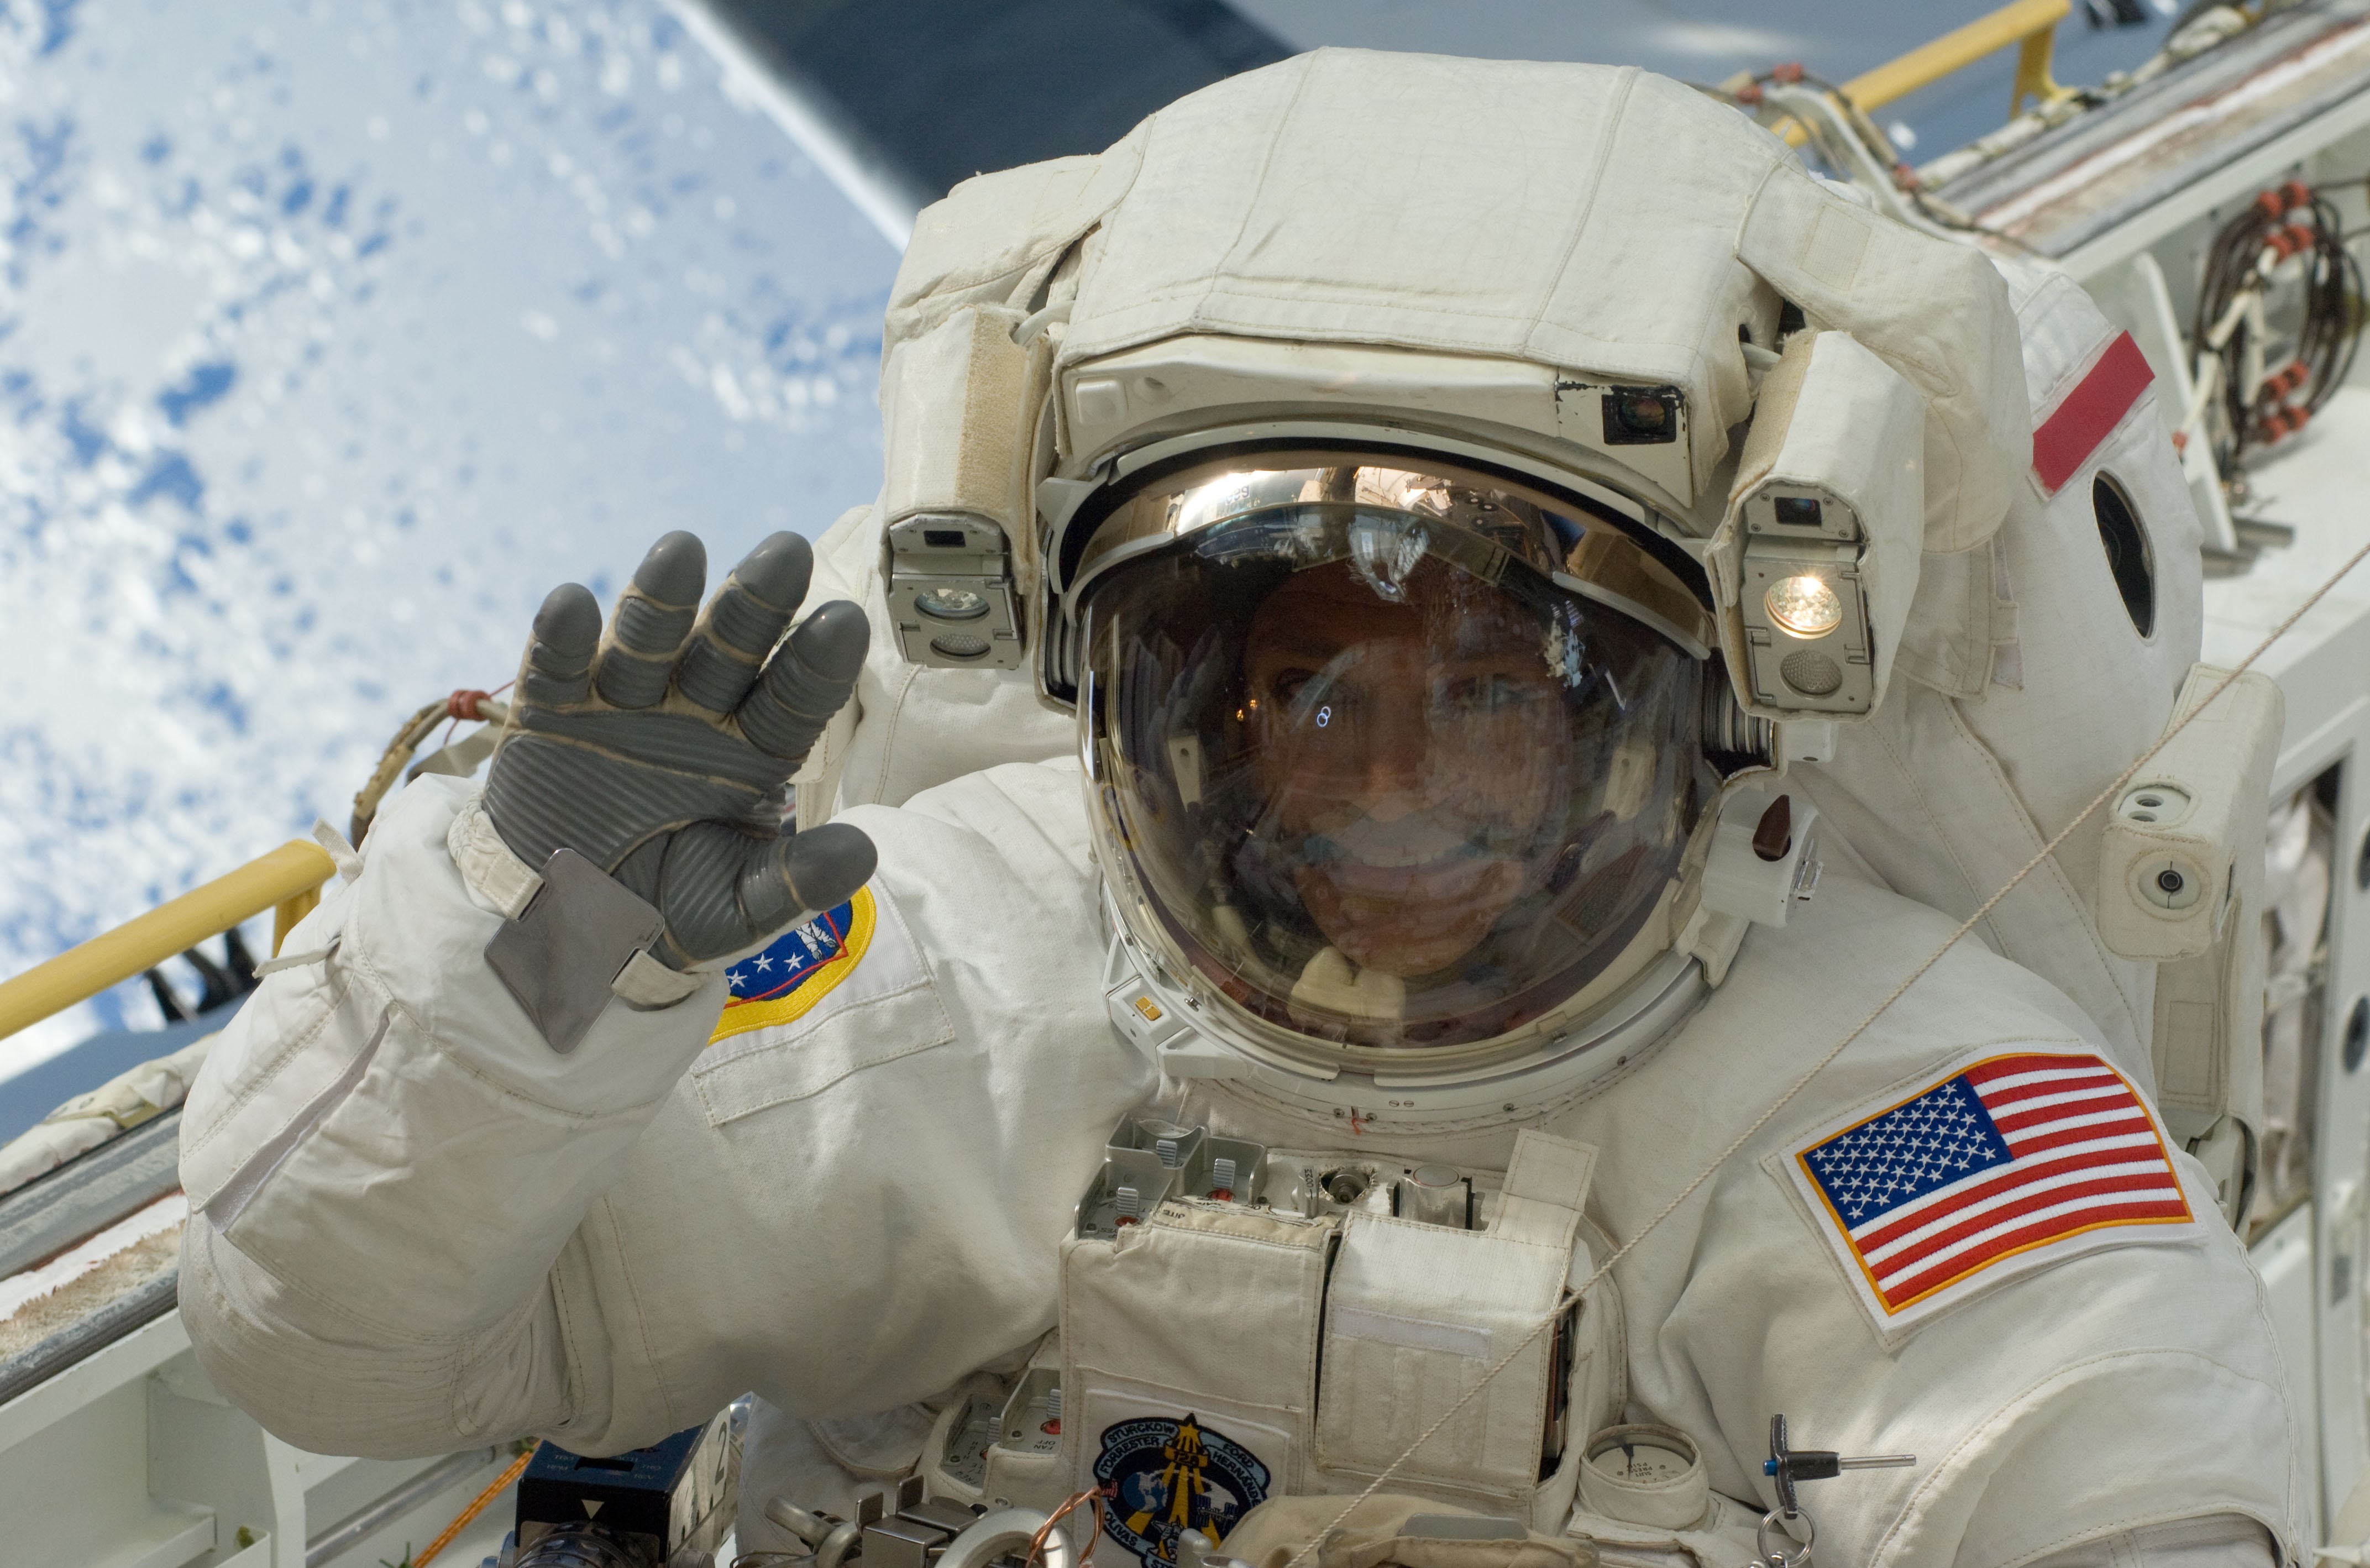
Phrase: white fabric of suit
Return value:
(422, 1230)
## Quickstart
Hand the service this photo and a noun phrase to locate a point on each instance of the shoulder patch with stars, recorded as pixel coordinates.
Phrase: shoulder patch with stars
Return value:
(2009, 1165)
(798, 968)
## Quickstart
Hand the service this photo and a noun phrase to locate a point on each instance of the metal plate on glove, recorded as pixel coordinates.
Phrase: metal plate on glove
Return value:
(558, 957)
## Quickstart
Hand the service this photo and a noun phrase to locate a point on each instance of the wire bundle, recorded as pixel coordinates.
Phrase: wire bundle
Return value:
(2269, 389)
(1842, 135)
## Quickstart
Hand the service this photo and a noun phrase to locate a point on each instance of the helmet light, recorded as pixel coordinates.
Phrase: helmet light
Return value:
(1803, 606)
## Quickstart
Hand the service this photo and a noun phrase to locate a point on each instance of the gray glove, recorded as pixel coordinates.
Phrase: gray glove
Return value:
(659, 753)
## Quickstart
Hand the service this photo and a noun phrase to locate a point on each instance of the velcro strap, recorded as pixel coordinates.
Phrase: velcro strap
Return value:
(498, 878)
(648, 985)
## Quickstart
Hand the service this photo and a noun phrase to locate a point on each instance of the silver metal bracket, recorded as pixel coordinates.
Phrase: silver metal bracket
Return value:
(950, 593)
(560, 958)
(1785, 1533)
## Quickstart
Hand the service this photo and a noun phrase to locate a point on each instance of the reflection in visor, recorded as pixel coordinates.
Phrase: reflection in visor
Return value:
(1374, 796)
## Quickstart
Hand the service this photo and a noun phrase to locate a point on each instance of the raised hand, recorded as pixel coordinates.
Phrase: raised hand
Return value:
(659, 751)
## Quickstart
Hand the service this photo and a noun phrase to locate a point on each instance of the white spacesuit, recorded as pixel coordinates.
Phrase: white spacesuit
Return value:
(1565, 613)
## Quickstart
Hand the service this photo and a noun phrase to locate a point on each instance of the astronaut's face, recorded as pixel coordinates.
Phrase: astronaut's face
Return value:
(1411, 746)
(1418, 795)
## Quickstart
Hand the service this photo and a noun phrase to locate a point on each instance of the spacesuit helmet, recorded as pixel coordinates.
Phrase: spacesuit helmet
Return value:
(1438, 579)
(1389, 752)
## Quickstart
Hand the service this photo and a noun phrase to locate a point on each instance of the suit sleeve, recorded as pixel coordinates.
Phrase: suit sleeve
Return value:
(417, 1228)
(388, 1170)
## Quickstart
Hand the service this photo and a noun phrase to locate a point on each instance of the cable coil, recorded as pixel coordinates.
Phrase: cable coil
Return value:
(2271, 382)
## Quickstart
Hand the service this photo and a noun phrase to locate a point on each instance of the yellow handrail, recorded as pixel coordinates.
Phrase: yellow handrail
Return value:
(288, 880)
(2018, 23)
(2032, 25)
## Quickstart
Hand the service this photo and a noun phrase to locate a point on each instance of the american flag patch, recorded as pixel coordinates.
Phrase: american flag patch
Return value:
(2016, 1162)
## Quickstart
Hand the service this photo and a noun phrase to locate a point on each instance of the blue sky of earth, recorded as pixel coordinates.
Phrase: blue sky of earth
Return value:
(332, 337)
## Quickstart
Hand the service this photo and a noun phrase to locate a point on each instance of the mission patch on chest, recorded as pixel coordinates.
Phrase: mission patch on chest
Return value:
(1166, 1477)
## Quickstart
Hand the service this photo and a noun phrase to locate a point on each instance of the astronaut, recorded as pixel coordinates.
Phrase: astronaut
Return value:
(1428, 665)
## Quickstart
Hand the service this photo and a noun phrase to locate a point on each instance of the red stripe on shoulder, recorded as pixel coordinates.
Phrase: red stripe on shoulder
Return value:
(2086, 415)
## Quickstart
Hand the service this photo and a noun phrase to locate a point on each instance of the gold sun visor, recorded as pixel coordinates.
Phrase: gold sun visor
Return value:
(1386, 757)
(1578, 549)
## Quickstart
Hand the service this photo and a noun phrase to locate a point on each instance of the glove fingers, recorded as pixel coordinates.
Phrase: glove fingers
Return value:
(807, 681)
(556, 671)
(743, 621)
(800, 874)
(653, 617)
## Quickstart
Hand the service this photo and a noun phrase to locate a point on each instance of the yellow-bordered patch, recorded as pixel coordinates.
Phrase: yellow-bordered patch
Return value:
(798, 968)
